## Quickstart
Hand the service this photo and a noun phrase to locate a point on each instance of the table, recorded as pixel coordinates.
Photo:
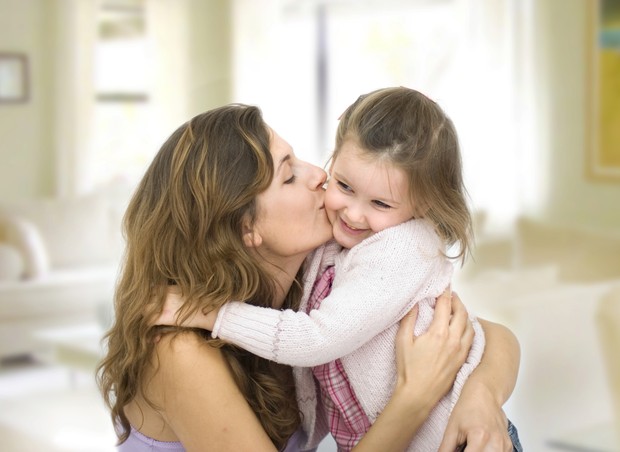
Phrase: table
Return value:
(77, 347)
(595, 438)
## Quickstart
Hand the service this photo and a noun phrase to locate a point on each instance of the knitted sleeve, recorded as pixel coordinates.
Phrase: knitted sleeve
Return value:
(376, 284)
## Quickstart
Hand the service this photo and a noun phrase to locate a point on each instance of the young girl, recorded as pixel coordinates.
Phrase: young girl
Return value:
(396, 202)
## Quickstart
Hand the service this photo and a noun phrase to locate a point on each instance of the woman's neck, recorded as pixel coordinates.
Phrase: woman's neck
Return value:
(283, 275)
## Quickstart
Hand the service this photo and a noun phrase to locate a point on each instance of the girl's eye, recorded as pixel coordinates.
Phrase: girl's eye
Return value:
(382, 205)
(290, 180)
(343, 186)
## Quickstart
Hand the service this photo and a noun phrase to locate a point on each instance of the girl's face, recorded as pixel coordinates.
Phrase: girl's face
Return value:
(291, 219)
(365, 195)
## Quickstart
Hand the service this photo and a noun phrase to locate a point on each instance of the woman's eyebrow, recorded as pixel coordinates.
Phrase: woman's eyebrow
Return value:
(286, 158)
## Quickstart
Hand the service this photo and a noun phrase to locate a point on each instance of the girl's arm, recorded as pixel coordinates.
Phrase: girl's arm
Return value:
(478, 417)
(376, 284)
(204, 419)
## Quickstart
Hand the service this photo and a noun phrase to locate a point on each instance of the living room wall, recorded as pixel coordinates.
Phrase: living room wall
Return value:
(573, 197)
(28, 165)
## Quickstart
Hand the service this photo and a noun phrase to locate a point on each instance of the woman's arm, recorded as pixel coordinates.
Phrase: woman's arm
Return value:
(427, 366)
(478, 417)
(222, 420)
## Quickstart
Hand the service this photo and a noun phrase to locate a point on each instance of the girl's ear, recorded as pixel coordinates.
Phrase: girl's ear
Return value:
(420, 210)
(251, 237)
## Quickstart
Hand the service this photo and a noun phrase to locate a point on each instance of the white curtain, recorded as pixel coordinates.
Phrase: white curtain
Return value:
(474, 57)
(78, 156)
(169, 34)
(74, 26)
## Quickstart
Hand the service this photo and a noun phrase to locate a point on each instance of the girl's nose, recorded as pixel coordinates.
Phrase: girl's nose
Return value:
(354, 214)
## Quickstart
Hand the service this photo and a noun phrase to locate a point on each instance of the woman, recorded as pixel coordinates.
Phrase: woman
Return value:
(225, 212)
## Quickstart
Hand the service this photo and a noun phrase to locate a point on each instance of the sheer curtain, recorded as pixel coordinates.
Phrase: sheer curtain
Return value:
(305, 61)
(116, 100)
(74, 27)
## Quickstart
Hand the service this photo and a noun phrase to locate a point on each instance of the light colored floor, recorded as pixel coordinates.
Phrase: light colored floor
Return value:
(47, 407)
(50, 408)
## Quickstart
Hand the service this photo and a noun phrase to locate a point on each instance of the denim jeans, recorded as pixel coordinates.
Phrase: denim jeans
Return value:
(514, 436)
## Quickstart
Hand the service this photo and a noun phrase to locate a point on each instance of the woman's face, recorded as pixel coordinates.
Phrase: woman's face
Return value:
(291, 219)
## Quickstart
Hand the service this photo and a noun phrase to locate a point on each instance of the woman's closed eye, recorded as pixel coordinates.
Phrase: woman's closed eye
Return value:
(290, 180)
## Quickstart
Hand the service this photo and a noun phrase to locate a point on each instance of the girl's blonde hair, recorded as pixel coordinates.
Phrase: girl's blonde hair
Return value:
(184, 226)
(413, 133)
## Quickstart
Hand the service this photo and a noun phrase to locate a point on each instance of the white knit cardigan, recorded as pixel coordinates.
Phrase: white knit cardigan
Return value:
(376, 283)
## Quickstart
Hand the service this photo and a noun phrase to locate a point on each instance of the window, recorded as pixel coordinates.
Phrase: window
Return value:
(305, 62)
(120, 144)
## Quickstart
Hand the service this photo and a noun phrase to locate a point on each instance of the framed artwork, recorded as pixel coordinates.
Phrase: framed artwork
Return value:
(604, 90)
(14, 86)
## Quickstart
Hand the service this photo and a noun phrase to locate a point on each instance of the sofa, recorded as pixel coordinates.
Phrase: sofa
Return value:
(549, 283)
(59, 260)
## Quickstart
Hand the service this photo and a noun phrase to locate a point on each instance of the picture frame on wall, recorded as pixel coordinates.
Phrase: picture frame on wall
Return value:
(603, 147)
(14, 83)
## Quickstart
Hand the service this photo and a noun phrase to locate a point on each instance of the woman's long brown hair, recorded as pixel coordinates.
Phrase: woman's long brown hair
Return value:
(183, 226)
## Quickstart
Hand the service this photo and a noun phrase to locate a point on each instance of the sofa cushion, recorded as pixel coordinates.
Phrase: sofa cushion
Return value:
(76, 231)
(24, 236)
(11, 263)
(580, 254)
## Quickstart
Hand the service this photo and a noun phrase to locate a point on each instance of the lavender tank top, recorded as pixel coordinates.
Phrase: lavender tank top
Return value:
(138, 442)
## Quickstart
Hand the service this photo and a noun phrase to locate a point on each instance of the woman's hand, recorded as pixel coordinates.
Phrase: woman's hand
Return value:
(431, 361)
(478, 421)
(171, 311)
(478, 418)
(426, 369)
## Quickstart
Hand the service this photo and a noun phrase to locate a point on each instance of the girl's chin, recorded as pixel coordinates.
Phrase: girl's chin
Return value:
(346, 240)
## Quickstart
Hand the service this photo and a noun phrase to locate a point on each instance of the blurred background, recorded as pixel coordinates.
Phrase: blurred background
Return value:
(89, 89)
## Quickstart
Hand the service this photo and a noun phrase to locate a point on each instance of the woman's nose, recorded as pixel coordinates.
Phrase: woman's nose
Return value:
(319, 178)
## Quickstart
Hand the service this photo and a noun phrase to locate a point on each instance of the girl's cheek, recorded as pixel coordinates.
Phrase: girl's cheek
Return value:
(331, 205)
(330, 202)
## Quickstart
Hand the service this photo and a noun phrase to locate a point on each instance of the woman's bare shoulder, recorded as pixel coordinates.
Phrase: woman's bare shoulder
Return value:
(178, 354)
(187, 348)
(197, 396)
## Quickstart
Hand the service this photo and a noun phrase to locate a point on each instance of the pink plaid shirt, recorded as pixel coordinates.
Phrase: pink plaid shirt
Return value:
(347, 420)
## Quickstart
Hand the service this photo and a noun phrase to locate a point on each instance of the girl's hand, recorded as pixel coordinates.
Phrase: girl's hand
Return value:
(170, 313)
(430, 362)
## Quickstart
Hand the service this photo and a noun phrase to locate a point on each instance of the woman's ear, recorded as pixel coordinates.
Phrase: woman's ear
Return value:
(251, 237)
